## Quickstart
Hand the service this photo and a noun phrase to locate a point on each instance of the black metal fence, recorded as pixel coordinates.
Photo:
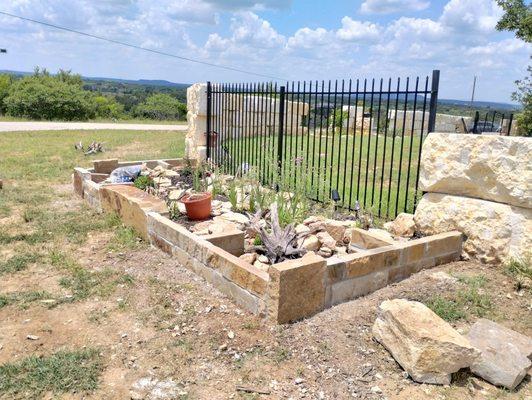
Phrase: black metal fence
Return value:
(492, 121)
(356, 142)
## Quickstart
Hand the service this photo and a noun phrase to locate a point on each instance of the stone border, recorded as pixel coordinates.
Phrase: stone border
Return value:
(289, 291)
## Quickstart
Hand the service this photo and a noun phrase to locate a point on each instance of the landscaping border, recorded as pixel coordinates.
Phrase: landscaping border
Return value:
(288, 291)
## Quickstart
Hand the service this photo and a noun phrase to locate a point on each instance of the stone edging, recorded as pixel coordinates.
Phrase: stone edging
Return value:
(288, 291)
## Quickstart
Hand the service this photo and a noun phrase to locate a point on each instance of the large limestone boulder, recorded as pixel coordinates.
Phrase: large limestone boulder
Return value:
(497, 168)
(426, 346)
(403, 225)
(505, 354)
(495, 232)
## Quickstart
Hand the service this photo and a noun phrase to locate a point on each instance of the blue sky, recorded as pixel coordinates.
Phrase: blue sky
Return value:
(292, 39)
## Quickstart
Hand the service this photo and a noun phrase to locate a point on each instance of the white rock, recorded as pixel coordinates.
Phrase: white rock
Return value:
(325, 252)
(426, 346)
(495, 232)
(218, 227)
(175, 194)
(403, 225)
(381, 234)
(496, 168)
(263, 259)
(233, 217)
(261, 266)
(505, 354)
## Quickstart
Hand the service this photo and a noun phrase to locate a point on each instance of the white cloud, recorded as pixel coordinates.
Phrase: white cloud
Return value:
(249, 29)
(250, 4)
(392, 6)
(471, 15)
(306, 38)
(353, 30)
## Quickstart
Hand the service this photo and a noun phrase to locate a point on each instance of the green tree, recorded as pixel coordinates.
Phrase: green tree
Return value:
(43, 96)
(518, 18)
(107, 107)
(5, 84)
(161, 106)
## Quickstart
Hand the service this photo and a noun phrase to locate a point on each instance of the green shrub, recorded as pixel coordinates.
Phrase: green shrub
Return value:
(143, 182)
(107, 107)
(161, 106)
(5, 84)
(43, 96)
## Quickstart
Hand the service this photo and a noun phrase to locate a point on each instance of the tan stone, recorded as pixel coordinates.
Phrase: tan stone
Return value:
(326, 240)
(297, 288)
(105, 166)
(369, 239)
(403, 225)
(310, 243)
(364, 263)
(131, 204)
(495, 232)
(249, 257)
(231, 241)
(335, 228)
(489, 167)
(426, 346)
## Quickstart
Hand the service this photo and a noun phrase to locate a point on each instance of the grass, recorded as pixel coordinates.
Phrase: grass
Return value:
(23, 299)
(376, 170)
(470, 299)
(18, 263)
(6, 118)
(63, 372)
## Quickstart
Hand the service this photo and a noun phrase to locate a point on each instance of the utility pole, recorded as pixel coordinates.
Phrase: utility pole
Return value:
(473, 92)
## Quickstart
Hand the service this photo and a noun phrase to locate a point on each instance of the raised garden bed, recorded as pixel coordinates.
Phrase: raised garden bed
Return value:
(357, 261)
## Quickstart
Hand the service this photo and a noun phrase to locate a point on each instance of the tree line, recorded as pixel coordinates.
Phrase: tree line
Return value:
(64, 96)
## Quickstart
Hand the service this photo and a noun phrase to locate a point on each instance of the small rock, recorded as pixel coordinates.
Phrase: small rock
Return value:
(335, 228)
(219, 227)
(376, 389)
(299, 381)
(32, 337)
(381, 234)
(325, 252)
(249, 257)
(326, 240)
(505, 354)
(301, 229)
(233, 217)
(261, 266)
(310, 243)
(312, 219)
(263, 259)
(231, 335)
(403, 225)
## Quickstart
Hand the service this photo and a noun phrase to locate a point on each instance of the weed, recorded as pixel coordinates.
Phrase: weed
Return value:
(62, 372)
(143, 182)
(281, 354)
(23, 299)
(469, 300)
(124, 238)
(18, 263)
(257, 241)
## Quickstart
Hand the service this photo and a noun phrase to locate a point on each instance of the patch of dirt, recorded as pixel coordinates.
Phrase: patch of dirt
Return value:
(170, 330)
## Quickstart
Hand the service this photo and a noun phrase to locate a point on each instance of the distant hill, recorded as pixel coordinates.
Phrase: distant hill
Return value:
(481, 104)
(145, 82)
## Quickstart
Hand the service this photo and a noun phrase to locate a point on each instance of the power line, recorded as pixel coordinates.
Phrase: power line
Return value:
(226, 67)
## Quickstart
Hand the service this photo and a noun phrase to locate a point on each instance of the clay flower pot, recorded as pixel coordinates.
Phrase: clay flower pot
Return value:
(198, 205)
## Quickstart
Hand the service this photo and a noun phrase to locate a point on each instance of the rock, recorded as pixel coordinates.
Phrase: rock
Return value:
(310, 243)
(312, 219)
(201, 226)
(218, 227)
(340, 250)
(301, 229)
(403, 225)
(335, 228)
(32, 337)
(162, 181)
(263, 259)
(325, 252)
(261, 266)
(381, 234)
(249, 257)
(495, 168)
(505, 354)
(426, 346)
(495, 232)
(175, 194)
(231, 335)
(233, 217)
(326, 240)
(168, 173)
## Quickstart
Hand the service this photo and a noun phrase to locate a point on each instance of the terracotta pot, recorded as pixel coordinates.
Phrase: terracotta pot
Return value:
(198, 205)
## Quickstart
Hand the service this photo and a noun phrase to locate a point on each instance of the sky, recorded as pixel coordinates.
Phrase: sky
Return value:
(289, 39)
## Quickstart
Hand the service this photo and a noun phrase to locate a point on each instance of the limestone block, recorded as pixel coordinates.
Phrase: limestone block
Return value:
(495, 232)
(426, 346)
(297, 288)
(497, 168)
(403, 225)
(105, 166)
(504, 359)
(197, 99)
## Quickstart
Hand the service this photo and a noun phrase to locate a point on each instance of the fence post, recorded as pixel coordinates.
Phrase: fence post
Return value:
(475, 123)
(209, 112)
(433, 99)
(510, 125)
(280, 134)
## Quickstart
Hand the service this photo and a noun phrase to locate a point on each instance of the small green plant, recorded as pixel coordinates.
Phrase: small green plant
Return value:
(257, 241)
(63, 372)
(232, 194)
(18, 262)
(519, 268)
(449, 310)
(143, 182)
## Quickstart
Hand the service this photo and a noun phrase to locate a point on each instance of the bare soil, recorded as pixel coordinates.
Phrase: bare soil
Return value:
(172, 326)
